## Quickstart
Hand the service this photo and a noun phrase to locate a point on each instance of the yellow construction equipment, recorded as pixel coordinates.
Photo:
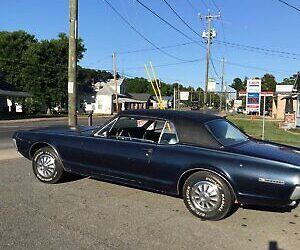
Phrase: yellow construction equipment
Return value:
(155, 86)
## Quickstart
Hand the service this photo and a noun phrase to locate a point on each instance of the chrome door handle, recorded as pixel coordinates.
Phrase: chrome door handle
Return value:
(148, 151)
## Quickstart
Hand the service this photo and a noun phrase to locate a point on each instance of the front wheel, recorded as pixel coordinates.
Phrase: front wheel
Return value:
(47, 166)
(207, 196)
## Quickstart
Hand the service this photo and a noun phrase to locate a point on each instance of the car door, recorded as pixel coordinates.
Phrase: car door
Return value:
(124, 150)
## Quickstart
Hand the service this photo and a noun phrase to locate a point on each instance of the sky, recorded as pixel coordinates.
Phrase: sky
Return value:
(267, 25)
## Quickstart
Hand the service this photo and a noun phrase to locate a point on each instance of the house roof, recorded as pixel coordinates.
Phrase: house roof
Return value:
(140, 96)
(106, 90)
(110, 82)
(7, 89)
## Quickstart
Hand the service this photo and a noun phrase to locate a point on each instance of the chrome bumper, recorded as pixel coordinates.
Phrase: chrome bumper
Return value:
(296, 194)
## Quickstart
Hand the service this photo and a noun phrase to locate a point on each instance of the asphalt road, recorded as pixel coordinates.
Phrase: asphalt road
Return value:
(7, 129)
(90, 214)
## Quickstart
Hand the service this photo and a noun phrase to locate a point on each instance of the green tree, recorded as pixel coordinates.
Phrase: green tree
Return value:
(13, 46)
(86, 77)
(238, 84)
(39, 67)
(138, 85)
(268, 83)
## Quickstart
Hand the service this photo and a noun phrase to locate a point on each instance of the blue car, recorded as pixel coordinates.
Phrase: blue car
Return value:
(202, 158)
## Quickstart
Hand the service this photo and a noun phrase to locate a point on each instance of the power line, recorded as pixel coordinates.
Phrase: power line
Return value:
(151, 49)
(271, 52)
(288, 4)
(139, 33)
(184, 22)
(192, 6)
(169, 64)
(258, 48)
(257, 68)
(205, 5)
(214, 68)
(168, 23)
(215, 5)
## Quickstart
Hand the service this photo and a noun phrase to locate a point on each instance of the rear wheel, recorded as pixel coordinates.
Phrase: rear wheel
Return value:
(207, 196)
(47, 166)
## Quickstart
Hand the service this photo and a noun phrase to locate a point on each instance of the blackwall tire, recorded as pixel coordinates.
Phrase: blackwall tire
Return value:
(47, 166)
(207, 196)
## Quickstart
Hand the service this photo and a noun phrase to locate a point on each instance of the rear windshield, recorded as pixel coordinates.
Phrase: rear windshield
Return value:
(225, 132)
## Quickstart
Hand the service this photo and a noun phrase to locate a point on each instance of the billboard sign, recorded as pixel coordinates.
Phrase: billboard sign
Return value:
(254, 86)
(253, 96)
(211, 86)
(184, 95)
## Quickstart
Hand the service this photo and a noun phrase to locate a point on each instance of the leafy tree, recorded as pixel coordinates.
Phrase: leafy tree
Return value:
(87, 77)
(137, 85)
(289, 81)
(238, 84)
(39, 67)
(13, 45)
(268, 82)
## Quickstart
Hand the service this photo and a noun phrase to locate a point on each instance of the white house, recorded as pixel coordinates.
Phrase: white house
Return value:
(101, 98)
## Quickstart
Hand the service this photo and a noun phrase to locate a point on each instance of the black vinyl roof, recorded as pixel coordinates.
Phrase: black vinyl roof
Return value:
(189, 124)
(172, 115)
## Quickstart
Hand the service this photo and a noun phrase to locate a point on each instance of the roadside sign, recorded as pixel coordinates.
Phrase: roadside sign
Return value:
(253, 96)
(211, 86)
(184, 95)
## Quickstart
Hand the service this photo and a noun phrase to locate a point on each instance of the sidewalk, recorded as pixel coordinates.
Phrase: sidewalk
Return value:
(8, 154)
(50, 119)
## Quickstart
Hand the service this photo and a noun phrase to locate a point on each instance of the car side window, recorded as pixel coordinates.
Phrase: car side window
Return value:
(136, 129)
(169, 134)
(103, 132)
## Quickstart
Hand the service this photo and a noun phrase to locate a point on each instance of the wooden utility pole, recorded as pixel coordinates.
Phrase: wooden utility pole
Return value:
(115, 80)
(72, 67)
(222, 84)
(208, 35)
(174, 101)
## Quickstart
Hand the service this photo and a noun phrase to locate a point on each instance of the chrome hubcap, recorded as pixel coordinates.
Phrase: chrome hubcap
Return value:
(45, 165)
(205, 196)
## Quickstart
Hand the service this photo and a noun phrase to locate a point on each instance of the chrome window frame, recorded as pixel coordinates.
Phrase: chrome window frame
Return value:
(162, 132)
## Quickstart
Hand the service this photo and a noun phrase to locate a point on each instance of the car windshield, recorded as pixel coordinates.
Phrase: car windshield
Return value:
(226, 133)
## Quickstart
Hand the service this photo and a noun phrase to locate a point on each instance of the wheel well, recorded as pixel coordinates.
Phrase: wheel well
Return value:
(35, 147)
(187, 174)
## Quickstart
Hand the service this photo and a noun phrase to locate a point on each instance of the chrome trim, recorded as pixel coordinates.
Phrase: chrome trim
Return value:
(45, 165)
(296, 194)
(111, 122)
(208, 170)
(51, 146)
(162, 132)
(15, 144)
(267, 180)
(205, 196)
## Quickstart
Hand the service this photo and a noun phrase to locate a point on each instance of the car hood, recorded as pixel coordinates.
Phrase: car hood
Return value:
(269, 150)
(83, 130)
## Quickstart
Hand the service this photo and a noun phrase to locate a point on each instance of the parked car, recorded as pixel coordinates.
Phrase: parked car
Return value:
(203, 158)
(241, 110)
(195, 107)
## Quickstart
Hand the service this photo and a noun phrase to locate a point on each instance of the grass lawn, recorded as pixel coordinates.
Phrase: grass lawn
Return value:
(272, 132)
